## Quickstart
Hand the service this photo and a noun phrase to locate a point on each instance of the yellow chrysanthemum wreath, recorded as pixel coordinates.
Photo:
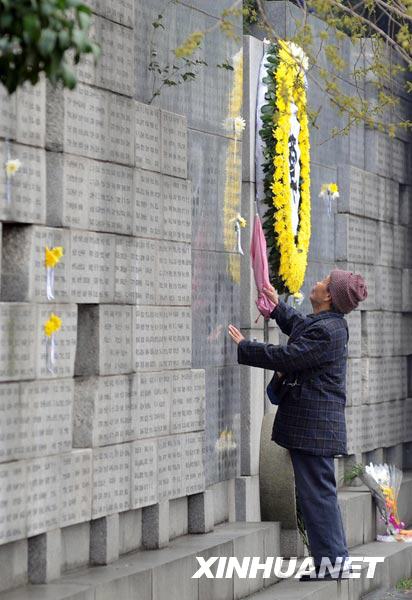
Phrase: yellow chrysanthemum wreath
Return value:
(289, 261)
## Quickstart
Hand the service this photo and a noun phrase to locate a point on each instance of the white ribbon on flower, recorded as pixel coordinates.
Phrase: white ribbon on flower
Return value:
(50, 352)
(50, 283)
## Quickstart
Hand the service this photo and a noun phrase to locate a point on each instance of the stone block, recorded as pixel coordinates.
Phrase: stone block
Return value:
(355, 332)
(102, 411)
(136, 271)
(24, 274)
(187, 409)
(170, 453)
(104, 342)
(177, 209)
(148, 204)
(115, 69)
(201, 512)
(375, 196)
(405, 205)
(27, 188)
(352, 191)
(378, 333)
(193, 472)
(76, 487)
(18, 326)
(119, 11)
(386, 245)
(111, 480)
(354, 391)
(13, 509)
(174, 274)
(104, 540)
(407, 423)
(152, 392)
(378, 153)
(155, 525)
(247, 498)
(10, 420)
(8, 114)
(130, 531)
(143, 473)
(75, 546)
(173, 144)
(355, 239)
(44, 557)
(388, 280)
(65, 341)
(407, 290)
(13, 565)
(252, 56)
(92, 264)
(161, 344)
(43, 496)
(178, 515)
(147, 137)
(90, 122)
(22, 116)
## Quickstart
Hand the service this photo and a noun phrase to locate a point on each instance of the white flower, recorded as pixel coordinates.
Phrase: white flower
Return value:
(329, 189)
(12, 166)
(298, 54)
(239, 124)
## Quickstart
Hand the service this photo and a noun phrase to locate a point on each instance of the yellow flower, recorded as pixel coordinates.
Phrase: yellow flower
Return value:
(189, 45)
(52, 256)
(52, 325)
(333, 188)
(12, 166)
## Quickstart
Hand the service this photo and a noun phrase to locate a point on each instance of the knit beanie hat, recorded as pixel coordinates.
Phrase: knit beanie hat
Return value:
(347, 290)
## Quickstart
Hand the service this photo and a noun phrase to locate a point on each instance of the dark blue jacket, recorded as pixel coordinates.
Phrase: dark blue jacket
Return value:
(311, 416)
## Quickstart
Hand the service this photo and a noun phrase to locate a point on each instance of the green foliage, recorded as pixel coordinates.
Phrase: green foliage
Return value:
(404, 584)
(36, 37)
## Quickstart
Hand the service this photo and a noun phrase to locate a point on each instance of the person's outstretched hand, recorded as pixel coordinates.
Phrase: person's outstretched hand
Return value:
(271, 293)
(235, 334)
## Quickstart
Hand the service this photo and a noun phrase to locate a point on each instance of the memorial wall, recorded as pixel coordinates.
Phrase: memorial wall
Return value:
(120, 410)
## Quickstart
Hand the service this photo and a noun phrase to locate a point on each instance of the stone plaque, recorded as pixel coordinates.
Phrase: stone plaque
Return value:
(65, 340)
(111, 480)
(18, 341)
(144, 473)
(151, 416)
(120, 11)
(121, 130)
(27, 187)
(193, 473)
(8, 114)
(370, 241)
(352, 190)
(115, 339)
(354, 324)
(115, 69)
(386, 244)
(148, 204)
(10, 420)
(45, 419)
(13, 506)
(92, 267)
(174, 274)
(67, 190)
(147, 136)
(136, 270)
(24, 274)
(177, 209)
(188, 400)
(31, 114)
(169, 460)
(354, 382)
(110, 198)
(76, 487)
(43, 494)
(349, 238)
(401, 235)
(174, 144)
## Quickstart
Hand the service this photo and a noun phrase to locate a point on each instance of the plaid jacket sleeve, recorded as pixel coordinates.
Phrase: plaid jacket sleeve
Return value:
(286, 317)
(312, 349)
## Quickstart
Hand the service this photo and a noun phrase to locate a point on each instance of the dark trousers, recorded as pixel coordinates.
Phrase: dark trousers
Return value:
(316, 498)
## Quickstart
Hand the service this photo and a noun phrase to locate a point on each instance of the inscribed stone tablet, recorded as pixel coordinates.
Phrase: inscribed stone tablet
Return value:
(372, 195)
(400, 252)
(27, 187)
(193, 473)
(188, 401)
(352, 190)
(386, 244)
(349, 238)
(371, 242)
(177, 209)
(147, 136)
(120, 11)
(143, 473)
(45, 418)
(148, 204)
(43, 494)
(110, 198)
(111, 480)
(13, 494)
(174, 144)
(86, 122)
(31, 114)
(10, 420)
(354, 324)
(136, 270)
(67, 190)
(148, 337)
(121, 129)
(169, 460)
(92, 267)
(115, 68)
(18, 328)
(65, 340)
(378, 150)
(76, 487)
(26, 280)
(115, 332)
(354, 382)
(399, 162)
(152, 412)
(8, 114)
(174, 274)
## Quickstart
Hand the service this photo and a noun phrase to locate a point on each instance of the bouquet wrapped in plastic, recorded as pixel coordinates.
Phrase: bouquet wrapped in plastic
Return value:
(384, 482)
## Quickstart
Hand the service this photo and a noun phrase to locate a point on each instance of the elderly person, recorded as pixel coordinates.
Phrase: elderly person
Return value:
(310, 419)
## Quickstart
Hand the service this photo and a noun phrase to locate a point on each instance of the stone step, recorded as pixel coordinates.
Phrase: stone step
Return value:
(167, 573)
(397, 564)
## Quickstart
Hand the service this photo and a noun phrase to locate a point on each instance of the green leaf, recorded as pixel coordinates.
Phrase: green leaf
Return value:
(31, 24)
(84, 20)
(47, 42)
(68, 76)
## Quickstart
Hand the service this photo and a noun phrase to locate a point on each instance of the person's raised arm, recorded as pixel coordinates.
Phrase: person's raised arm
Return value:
(284, 315)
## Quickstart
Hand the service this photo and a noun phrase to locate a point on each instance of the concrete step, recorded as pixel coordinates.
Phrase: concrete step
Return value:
(167, 573)
(397, 564)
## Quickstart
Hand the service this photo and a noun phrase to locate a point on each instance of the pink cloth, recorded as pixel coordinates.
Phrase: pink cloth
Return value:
(260, 268)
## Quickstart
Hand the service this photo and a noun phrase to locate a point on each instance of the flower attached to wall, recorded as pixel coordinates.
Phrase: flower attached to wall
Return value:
(226, 441)
(52, 257)
(51, 327)
(330, 191)
(12, 166)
